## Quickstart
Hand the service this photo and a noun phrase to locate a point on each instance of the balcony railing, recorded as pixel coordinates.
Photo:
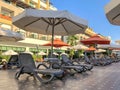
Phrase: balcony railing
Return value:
(5, 17)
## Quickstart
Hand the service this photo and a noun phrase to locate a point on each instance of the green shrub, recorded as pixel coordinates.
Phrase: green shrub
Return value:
(5, 57)
(35, 57)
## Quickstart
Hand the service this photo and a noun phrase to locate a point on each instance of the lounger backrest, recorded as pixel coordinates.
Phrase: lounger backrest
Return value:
(87, 59)
(53, 56)
(66, 60)
(26, 60)
(13, 58)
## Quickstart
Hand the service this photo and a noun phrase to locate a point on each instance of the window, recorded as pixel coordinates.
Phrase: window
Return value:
(23, 33)
(43, 38)
(7, 1)
(7, 12)
(5, 26)
(34, 35)
(32, 4)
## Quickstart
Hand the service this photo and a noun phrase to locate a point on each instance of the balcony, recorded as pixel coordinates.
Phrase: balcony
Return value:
(43, 4)
(89, 32)
(21, 3)
(5, 17)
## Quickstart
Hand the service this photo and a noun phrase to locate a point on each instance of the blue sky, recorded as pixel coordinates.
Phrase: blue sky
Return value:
(93, 12)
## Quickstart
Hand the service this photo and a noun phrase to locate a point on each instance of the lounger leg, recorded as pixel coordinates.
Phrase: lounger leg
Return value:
(17, 75)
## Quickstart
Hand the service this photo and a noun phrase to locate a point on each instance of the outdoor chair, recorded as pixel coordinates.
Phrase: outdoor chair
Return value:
(54, 63)
(13, 61)
(100, 61)
(44, 75)
(105, 61)
(67, 64)
(84, 61)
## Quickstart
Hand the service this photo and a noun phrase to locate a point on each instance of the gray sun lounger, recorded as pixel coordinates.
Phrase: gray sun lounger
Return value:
(13, 61)
(28, 66)
(67, 64)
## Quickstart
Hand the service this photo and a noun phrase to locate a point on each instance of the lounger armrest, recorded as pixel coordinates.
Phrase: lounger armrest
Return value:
(27, 66)
(51, 60)
(56, 65)
(21, 71)
(41, 64)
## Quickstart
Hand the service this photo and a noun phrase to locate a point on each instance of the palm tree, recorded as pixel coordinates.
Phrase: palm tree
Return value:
(72, 40)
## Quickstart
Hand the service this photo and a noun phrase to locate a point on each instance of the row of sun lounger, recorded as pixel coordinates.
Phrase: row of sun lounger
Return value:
(53, 67)
(98, 61)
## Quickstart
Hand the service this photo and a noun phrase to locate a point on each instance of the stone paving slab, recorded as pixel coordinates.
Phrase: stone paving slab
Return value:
(100, 78)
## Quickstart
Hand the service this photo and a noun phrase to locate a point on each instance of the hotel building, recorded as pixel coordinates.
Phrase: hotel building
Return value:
(11, 8)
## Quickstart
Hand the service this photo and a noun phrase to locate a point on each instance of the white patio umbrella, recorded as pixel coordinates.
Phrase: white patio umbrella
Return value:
(28, 52)
(80, 47)
(8, 35)
(109, 46)
(64, 53)
(55, 53)
(100, 51)
(9, 52)
(103, 46)
(41, 53)
(50, 22)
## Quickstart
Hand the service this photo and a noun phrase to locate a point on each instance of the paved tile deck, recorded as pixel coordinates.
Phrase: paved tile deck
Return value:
(100, 78)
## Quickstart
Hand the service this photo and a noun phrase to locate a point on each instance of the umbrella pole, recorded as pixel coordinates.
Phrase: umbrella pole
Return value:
(52, 38)
(96, 49)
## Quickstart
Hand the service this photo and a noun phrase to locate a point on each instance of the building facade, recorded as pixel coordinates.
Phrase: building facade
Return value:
(11, 8)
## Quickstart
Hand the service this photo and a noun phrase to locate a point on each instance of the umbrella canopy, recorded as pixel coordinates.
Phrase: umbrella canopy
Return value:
(113, 46)
(8, 35)
(28, 52)
(55, 53)
(91, 48)
(63, 54)
(96, 39)
(80, 47)
(9, 52)
(50, 22)
(56, 43)
(100, 51)
(41, 53)
(103, 46)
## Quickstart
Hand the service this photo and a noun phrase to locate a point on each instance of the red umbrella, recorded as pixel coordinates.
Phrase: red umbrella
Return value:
(56, 43)
(96, 39)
